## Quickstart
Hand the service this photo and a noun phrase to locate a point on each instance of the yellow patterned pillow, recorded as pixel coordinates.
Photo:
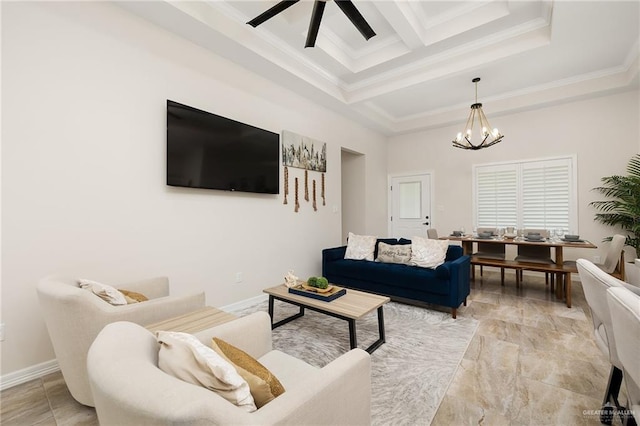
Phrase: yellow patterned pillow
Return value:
(263, 384)
(132, 296)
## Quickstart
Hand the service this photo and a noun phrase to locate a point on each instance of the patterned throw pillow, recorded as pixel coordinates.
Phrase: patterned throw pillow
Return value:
(132, 296)
(428, 253)
(388, 253)
(263, 384)
(360, 247)
(184, 357)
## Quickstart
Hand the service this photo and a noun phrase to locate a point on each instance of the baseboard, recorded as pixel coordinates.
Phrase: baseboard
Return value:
(26, 374)
(238, 306)
(36, 371)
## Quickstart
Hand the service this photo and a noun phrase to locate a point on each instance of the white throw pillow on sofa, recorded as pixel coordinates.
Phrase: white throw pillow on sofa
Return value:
(428, 253)
(360, 247)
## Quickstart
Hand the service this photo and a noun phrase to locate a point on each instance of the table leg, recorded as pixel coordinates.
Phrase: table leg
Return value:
(286, 320)
(467, 247)
(559, 276)
(353, 340)
(375, 345)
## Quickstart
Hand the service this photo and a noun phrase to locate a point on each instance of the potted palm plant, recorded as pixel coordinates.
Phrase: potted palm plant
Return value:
(622, 209)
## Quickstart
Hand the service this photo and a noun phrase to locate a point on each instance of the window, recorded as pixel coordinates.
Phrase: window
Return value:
(537, 194)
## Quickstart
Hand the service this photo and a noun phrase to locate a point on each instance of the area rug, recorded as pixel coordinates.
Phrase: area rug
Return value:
(410, 372)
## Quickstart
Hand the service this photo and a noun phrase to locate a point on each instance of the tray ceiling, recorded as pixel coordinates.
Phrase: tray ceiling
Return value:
(416, 72)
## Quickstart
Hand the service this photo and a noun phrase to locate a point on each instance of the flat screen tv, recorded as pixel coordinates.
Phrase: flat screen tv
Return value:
(205, 150)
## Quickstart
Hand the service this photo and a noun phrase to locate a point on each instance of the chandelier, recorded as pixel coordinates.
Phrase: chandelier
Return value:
(487, 137)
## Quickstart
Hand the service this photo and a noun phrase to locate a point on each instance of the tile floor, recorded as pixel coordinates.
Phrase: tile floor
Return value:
(531, 362)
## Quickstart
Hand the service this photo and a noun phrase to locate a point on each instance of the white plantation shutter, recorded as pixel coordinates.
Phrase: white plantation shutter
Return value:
(496, 196)
(546, 194)
(527, 194)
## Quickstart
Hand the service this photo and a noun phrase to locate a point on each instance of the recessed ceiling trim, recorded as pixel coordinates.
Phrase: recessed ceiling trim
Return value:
(612, 80)
(356, 61)
(467, 56)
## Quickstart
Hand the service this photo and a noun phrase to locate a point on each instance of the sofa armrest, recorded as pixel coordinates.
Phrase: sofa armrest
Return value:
(332, 254)
(335, 253)
(153, 310)
(460, 279)
(339, 394)
(251, 333)
(152, 287)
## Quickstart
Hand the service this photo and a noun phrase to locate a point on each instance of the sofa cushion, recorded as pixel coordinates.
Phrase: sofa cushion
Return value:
(428, 253)
(263, 384)
(393, 253)
(360, 247)
(393, 275)
(183, 356)
(288, 368)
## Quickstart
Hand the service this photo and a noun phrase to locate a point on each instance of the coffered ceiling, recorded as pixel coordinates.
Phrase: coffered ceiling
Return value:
(416, 72)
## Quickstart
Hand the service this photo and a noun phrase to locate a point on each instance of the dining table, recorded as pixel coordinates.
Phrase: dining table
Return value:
(557, 243)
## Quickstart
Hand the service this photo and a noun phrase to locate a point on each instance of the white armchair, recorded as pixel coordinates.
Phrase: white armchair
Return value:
(625, 319)
(130, 389)
(74, 317)
(595, 283)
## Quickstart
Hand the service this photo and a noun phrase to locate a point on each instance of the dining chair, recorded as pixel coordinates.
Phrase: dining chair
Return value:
(432, 234)
(595, 283)
(536, 254)
(489, 251)
(624, 306)
(613, 261)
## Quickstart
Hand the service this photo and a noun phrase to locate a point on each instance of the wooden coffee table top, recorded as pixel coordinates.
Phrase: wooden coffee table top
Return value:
(193, 322)
(355, 304)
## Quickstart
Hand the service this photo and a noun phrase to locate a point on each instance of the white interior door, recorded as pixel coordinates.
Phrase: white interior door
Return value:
(410, 205)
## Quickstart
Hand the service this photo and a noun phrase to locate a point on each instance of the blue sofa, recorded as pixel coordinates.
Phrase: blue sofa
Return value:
(446, 285)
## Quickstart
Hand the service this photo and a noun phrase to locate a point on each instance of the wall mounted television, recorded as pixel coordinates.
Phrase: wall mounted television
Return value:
(205, 150)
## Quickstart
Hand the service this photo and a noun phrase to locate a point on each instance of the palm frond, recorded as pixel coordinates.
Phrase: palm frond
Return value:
(623, 208)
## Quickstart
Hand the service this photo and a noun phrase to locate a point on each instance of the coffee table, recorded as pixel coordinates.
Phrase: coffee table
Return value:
(350, 307)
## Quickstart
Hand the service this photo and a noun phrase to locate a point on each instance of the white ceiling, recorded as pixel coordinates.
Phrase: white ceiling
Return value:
(416, 72)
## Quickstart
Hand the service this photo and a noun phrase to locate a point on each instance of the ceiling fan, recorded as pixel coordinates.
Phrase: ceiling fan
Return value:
(346, 6)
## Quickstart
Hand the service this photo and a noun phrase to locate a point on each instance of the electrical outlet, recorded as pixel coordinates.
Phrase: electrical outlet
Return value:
(596, 259)
(239, 277)
(2, 332)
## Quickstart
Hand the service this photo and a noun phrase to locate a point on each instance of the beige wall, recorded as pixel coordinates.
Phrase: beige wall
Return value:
(83, 167)
(602, 132)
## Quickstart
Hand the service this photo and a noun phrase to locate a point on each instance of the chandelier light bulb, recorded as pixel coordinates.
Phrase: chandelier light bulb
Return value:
(484, 131)
(459, 137)
(495, 133)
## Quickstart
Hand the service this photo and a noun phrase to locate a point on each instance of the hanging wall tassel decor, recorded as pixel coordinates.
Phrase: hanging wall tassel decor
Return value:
(297, 206)
(306, 185)
(315, 207)
(286, 184)
(324, 203)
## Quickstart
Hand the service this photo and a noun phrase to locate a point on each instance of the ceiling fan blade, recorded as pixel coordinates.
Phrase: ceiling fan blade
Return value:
(271, 12)
(354, 16)
(314, 24)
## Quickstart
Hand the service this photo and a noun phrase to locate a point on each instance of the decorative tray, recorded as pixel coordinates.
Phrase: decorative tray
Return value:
(327, 295)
